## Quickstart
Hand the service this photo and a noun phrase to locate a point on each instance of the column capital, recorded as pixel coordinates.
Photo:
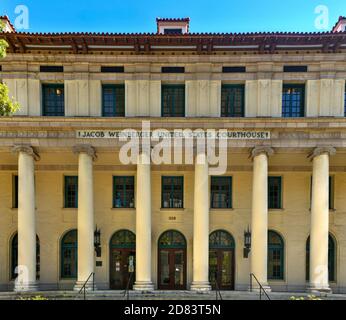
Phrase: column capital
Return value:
(85, 148)
(267, 150)
(17, 148)
(330, 150)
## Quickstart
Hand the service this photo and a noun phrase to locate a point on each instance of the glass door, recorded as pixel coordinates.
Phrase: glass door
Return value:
(172, 269)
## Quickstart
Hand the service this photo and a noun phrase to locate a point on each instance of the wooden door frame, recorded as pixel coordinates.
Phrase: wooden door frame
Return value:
(219, 255)
(111, 249)
(171, 287)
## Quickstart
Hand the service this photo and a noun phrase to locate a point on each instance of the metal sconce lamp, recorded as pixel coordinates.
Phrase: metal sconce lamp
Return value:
(247, 242)
(97, 242)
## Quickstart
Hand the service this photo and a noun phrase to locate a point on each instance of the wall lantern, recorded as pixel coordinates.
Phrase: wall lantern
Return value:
(247, 242)
(97, 242)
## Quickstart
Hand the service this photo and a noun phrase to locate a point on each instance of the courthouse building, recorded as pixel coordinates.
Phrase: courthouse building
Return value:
(69, 207)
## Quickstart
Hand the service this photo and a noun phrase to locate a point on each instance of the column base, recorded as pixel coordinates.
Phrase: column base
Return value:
(143, 286)
(200, 286)
(318, 289)
(26, 287)
(88, 286)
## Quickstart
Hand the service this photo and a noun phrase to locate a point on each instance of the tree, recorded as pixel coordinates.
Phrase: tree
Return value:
(7, 105)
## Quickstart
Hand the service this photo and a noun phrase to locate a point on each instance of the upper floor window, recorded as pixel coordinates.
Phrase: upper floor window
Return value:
(123, 192)
(293, 100)
(15, 191)
(113, 100)
(232, 100)
(172, 192)
(274, 193)
(173, 100)
(53, 100)
(221, 192)
(71, 192)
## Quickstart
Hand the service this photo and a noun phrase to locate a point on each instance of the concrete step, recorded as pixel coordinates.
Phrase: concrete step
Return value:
(160, 295)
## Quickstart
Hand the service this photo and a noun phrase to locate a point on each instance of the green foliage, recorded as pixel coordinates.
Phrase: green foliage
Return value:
(33, 298)
(3, 43)
(7, 105)
(309, 297)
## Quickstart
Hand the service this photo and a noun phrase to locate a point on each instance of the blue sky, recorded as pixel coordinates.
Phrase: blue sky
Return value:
(206, 15)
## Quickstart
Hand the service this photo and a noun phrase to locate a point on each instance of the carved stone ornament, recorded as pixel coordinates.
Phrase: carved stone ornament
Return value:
(261, 149)
(322, 150)
(26, 149)
(85, 148)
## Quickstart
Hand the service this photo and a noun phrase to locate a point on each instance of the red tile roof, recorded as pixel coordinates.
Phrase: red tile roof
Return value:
(9, 21)
(158, 19)
(336, 24)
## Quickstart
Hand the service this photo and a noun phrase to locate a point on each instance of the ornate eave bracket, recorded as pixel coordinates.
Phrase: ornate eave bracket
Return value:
(85, 148)
(26, 149)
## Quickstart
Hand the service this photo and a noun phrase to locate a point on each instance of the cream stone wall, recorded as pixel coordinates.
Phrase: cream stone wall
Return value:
(292, 222)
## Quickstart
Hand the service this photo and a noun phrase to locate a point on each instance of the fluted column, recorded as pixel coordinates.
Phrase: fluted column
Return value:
(143, 224)
(319, 228)
(259, 217)
(26, 280)
(201, 226)
(85, 225)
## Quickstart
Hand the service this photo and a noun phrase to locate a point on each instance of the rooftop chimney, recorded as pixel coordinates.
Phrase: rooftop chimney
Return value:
(7, 23)
(340, 26)
(172, 25)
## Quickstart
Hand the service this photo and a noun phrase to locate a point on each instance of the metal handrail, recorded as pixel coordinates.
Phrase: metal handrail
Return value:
(217, 290)
(85, 283)
(260, 286)
(127, 290)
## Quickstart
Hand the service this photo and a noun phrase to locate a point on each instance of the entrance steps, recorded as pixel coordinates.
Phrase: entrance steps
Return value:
(161, 295)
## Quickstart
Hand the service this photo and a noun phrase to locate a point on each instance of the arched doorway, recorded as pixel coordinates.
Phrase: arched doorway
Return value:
(14, 257)
(221, 260)
(276, 256)
(69, 255)
(331, 259)
(122, 253)
(172, 261)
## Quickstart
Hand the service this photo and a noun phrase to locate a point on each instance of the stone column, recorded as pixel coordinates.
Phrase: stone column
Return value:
(319, 231)
(259, 217)
(143, 224)
(201, 226)
(85, 225)
(26, 280)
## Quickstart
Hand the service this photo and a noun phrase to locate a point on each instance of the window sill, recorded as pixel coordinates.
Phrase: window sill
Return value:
(64, 208)
(220, 209)
(276, 210)
(172, 209)
(123, 209)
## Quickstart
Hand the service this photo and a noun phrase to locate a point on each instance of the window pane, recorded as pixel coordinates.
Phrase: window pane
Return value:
(274, 192)
(275, 256)
(172, 192)
(123, 192)
(69, 250)
(232, 101)
(221, 192)
(71, 192)
(113, 100)
(173, 100)
(293, 101)
(53, 100)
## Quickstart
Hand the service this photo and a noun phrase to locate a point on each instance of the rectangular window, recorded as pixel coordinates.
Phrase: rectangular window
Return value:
(274, 193)
(172, 31)
(232, 100)
(112, 69)
(221, 192)
(123, 192)
(51, 69)
(173, 100)
(172, 69)
(331, 192)
(15, 191)
(113, 100)
(295, 69)
(293, 100)
(234, 69)
(53, 100)
(71, 192)
(172, 192)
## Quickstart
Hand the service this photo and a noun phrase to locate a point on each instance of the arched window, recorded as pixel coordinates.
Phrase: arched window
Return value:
(172, 239)
(221, 239)
(123, 239)
(275, 256)
(69, 259)
(331, 258)
(14, 256)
